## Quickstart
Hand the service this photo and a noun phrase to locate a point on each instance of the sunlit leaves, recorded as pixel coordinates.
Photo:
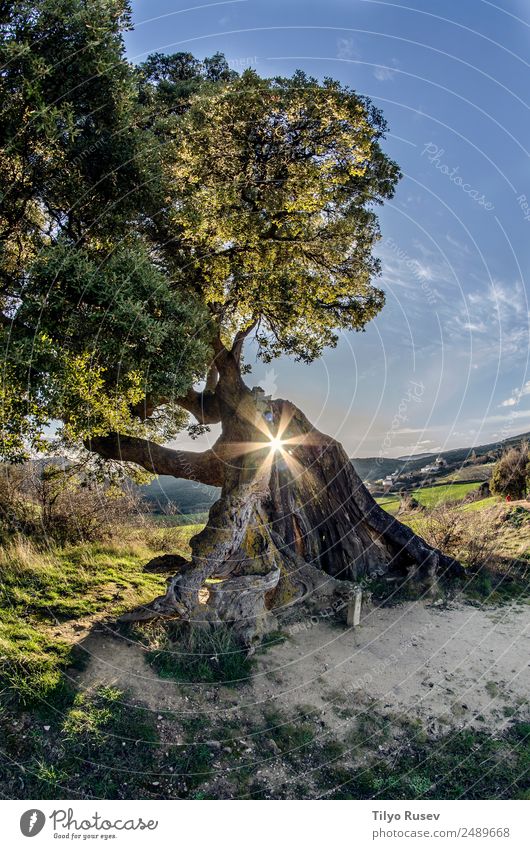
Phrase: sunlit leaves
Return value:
(272, 185)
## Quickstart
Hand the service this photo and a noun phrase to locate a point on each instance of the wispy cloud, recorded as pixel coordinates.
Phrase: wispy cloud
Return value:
(514, 399)
(384, 74)
(347, 49)
(407, 268)
(500, 418)
(494, 319)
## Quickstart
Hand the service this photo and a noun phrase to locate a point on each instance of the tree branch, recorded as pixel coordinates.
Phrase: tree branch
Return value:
(240, 337)
(203, 405)
(211, 378)
(206, 466)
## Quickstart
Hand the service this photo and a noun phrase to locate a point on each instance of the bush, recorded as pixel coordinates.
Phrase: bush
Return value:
(18, 514)
(470, 538)
(509, 476)
(60, 504)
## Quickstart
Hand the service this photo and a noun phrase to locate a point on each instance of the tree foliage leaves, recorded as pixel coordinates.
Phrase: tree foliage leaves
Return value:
(148, 211)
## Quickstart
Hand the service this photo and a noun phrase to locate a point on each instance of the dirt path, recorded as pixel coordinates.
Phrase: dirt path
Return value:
(457, 666)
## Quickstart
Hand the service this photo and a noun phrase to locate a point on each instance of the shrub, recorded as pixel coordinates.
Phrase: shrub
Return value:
(61, 504)
(470, 538)
(509, 476)
(18, 514)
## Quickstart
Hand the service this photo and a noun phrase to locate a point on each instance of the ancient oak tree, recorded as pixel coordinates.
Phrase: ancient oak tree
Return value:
(159, 218)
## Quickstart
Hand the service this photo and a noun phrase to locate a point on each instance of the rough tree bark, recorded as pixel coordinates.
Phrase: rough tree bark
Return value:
(290, 524)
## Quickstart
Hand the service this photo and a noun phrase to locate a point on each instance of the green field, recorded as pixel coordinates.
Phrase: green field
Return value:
(430, 496)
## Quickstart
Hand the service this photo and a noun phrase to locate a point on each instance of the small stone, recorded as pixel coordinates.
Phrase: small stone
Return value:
(274, 747)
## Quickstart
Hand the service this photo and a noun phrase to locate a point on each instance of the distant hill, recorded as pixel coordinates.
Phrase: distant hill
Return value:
(187, 496)
(415, 456)
(373, 468)
(194, 497)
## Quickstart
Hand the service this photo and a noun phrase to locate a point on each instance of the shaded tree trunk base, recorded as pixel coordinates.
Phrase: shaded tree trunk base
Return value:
(294, 525)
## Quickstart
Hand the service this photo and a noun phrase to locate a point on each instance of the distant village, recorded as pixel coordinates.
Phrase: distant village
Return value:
(390, 480)
(472, 467)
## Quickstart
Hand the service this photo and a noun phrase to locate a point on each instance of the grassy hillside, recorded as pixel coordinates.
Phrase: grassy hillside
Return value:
(431, 496)
(479, 472)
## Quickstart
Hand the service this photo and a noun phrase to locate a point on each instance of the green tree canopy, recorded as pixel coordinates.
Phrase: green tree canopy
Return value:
(90, 320)
(271, 187)
(152, 214)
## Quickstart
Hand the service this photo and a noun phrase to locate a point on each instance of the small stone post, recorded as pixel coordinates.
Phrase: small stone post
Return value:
(353, 617)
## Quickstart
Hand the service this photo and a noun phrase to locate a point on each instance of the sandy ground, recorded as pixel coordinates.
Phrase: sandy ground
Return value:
(450, 667)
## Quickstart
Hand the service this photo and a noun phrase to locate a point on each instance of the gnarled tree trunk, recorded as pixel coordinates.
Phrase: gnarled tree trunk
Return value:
(293, 521)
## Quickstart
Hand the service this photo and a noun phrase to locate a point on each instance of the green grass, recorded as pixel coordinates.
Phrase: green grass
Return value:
(44, 593)
(491, 587)
(101, 745)
(447, 493)
(291, 738)
(483, 504)
(430, 496)
(195, 655)
(95, 746)
(463, 764)
(389, 503)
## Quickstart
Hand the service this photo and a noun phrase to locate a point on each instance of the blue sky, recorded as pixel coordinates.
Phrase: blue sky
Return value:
(446, 363)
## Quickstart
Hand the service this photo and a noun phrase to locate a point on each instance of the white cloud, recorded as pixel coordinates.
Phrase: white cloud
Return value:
(461, 247)
(347, 49)
(268, 382)
(384, 74)
(477, 327)
(493, 322)
(514, 399)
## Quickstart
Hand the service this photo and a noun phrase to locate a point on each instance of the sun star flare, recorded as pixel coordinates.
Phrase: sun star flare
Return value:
(276, 443)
